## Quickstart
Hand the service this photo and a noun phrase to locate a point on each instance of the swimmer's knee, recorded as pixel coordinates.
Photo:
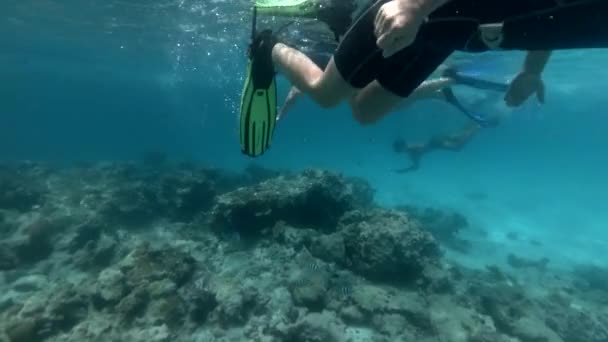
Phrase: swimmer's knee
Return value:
(325, 101)
(328, 97)
(363, 116)
(372, 103)
(365, 113)
(331, 89)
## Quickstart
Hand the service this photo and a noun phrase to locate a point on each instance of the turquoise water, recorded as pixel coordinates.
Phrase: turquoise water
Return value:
(96, 81)
(110, 81)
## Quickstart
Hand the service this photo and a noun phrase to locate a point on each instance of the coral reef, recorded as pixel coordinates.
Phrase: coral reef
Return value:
(444, 226)
(21, 186)
(177, 252)
(384, 245)
(311, 199)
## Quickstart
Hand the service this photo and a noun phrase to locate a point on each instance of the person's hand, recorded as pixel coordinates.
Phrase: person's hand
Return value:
(396, 25)
(524, 85)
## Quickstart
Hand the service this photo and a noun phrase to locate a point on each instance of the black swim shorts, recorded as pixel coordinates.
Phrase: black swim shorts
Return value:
(360, 61)
(454, 26)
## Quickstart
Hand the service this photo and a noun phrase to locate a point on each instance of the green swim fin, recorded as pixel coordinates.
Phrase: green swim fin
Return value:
(259, 97)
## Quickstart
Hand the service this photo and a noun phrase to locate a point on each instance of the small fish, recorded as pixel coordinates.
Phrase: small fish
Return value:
(301, 282)
(316, 267)
(343, 290)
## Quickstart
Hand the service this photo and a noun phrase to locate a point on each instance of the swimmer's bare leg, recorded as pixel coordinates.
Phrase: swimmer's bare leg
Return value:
(291, 99)
(374, 102)
(326, 87)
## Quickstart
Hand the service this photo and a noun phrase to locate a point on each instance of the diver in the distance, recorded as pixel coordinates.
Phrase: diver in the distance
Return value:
(527, 81)
(450, 142)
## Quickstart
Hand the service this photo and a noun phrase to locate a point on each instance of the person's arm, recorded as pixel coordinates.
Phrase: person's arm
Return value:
(536, 61)
(528, 81)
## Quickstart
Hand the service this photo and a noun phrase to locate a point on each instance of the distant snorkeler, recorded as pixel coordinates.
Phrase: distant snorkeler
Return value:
(449, 142)
(395, 45)
(522, 86)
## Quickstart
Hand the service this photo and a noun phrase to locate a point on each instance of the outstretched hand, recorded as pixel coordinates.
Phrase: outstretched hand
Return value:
(396, 25)
(522, 87)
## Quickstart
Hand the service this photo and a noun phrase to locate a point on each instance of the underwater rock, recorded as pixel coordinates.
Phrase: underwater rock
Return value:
(7, 301)
(315, 199)
(309, 284)
(140, 196)
(30, 283)
(235, 307)
(86, 232)
(169, 310)
(330, 247)
(255, 174)
(145, 274)
(36, 239)
(394, 326)
(282, 312)
(131, 204)
(297, 238)
(96, 254)
(97, 329)
(150, 334)
(24, 330)
(532, 329)
(592, 277)
(489, 336)
(134, 304)
(310, 295)
(48, 313)
(186, 194)
(503, 305)
(202, 304)
(111, 285)
(352, 315)
(363, 193)
(8, 257)
(575, 324)
(387, 245)
(19, 190)
(443, 226)
(161, 288)
(513, 313)
(7, 226)
(315, 327)
(373, 300)
(67, 308)
(519, 262)
(439, 279)
(145, 265)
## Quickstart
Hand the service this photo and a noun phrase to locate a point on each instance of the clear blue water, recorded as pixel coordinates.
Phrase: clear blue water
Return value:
(85, 80)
